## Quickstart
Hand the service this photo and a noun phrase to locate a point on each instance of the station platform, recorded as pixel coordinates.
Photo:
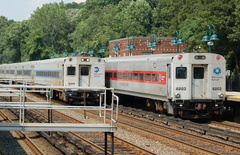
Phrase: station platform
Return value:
(233, 96)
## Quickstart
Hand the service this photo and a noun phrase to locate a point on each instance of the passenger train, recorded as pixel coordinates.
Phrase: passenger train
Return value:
(191, 85)
(69, 71)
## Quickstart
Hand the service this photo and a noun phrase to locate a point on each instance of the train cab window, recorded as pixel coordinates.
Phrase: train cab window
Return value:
(148, 77)
(141, 76)
(130, 76)
(120, 75)
(154, 77)
(198, 73)
(135, 76)
(124, 75)
(71, 70)
(84, 70)
(181, 72)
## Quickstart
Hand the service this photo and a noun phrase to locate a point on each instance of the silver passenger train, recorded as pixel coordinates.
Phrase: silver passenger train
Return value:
(191, 85)
(69, 71)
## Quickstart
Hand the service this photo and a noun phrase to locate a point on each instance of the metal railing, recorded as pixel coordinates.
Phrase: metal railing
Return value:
(20, 92)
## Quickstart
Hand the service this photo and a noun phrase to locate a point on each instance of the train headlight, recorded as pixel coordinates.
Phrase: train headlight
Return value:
(177, 95)
(221, 95)
(85, 59)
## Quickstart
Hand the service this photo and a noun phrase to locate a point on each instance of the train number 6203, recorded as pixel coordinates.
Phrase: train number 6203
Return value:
(181, 88)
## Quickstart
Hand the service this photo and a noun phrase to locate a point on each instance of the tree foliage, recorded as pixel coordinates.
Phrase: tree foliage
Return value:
(59, 27)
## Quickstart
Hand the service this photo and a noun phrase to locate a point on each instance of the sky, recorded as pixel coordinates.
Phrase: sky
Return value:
(20, 10)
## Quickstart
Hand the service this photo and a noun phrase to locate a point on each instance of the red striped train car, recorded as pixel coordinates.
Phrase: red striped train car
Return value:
(191, 85)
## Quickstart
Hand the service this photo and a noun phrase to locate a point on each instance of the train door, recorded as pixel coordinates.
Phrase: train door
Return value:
(63, 74)
(199, 81)
(84, 77)
(169, 84)
(32, 73)
(22, 75)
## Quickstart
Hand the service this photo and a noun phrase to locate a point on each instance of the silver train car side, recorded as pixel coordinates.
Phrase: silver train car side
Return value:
(191, 85)
(67, 71)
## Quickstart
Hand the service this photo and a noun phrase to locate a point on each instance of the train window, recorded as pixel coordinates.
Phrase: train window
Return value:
(135, 76)
(148, 77)
(27, 72)
(198, 73)
(154, 77)
(19, 72)
(120, 75)
(71, 70)
(141, 76)
(84, 70)
(181, 72)
(115, 75)
(124, 75)
(130, 76)
(12, 71)
(57, 74)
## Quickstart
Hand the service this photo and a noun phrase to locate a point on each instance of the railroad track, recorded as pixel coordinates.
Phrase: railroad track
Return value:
(179, 139)
(120, 145)
(96, 140)
(35, 149)
(183, 140)
(225, 125)
(174, 137)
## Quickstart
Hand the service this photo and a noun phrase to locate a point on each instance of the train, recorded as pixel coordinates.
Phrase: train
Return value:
(68, 71)
(189, 85)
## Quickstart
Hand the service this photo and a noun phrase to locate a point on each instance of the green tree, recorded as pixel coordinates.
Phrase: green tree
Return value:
(161, 18)
(35, 49)
(82, 36)
(3, 25)
(232, 32)
(136, 19)
(52, 20)
(13, 40)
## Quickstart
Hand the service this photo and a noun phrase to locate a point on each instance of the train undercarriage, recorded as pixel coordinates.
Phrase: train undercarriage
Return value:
(73, 97)
(187, 109)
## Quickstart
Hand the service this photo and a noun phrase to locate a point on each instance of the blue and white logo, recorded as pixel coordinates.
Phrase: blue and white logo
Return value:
(96, 69)
(217, 70)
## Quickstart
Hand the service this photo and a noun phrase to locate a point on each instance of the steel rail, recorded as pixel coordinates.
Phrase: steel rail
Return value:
(29, 143)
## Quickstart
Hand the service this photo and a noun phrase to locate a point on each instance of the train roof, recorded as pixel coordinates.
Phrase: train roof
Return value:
(161, 57)
(55, 60)
(154, 56)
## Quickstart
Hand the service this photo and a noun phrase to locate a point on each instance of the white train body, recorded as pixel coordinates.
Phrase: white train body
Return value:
(189, 84)
(68, 71)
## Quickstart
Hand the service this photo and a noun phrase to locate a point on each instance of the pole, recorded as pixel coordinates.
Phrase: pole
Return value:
(85, 113)
(105, 143)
